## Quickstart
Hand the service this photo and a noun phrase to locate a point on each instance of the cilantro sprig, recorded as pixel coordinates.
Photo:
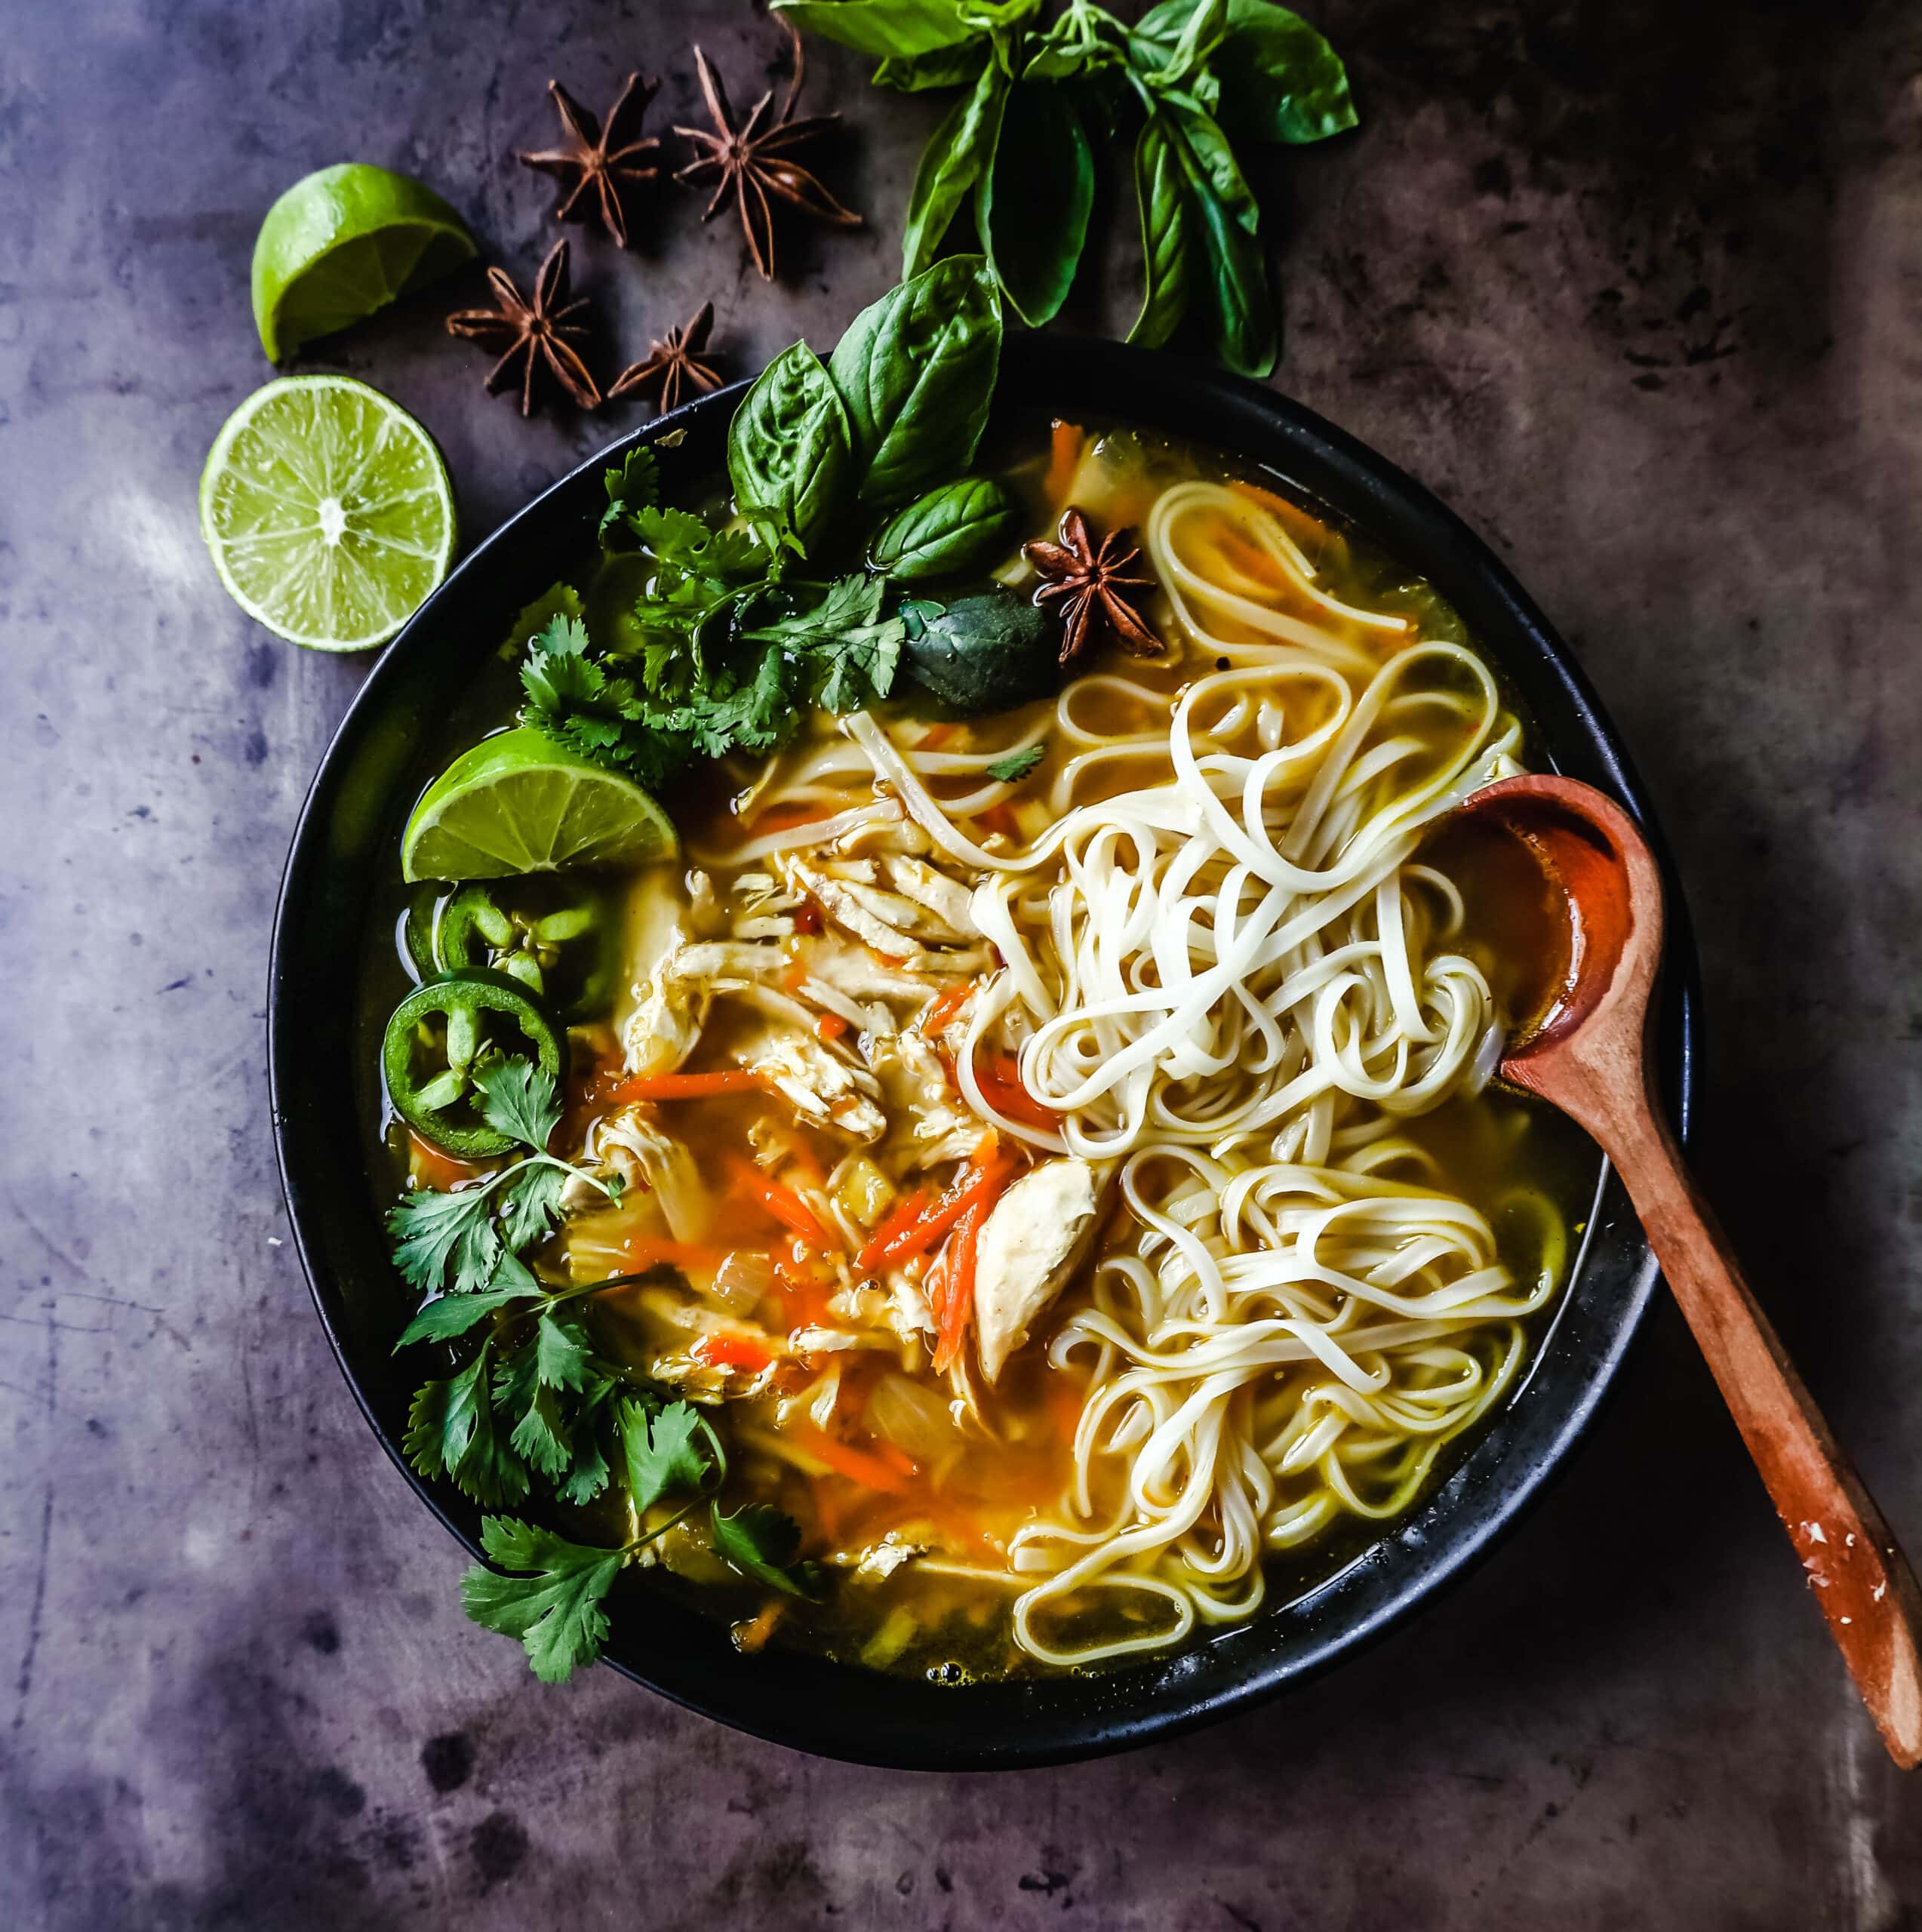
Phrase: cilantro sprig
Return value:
(537, 1406)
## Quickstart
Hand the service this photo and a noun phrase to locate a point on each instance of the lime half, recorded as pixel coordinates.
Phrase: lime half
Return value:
(343, 242)
(520, 803)
(328, 511)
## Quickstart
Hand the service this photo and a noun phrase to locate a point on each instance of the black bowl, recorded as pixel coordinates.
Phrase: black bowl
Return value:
(348, 835)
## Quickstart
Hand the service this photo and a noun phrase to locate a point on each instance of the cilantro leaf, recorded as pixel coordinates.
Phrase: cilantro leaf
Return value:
(555, 1611)
(561, 1352)
(542, 1437)
(590, 1473)
(559, 600)
(435, 1232)
(664, 1449)
(763, 1543)
(529, 1204)
(630, 487)
(1017, 764)
(454, 1315)
(450, 1432)
(518, 1098)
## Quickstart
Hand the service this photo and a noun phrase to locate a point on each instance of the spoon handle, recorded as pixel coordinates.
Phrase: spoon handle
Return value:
(1860, 1577)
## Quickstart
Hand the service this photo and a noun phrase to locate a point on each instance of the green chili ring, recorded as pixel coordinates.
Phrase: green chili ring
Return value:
(434, 1106)
(562, 957)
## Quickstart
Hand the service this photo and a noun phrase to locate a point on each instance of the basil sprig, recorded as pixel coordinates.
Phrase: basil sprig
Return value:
(1017, 148)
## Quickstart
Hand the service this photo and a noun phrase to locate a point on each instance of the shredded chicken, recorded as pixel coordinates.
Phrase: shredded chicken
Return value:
(1028, 1249)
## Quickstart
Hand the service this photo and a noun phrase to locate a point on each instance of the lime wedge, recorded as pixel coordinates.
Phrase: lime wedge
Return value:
(343, 242)
(519, 803)
(328, 511)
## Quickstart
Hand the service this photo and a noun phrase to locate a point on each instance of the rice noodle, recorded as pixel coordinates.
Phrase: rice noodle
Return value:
(1233, 981)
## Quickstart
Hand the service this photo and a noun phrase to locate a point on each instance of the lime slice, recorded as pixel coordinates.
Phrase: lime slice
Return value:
(343, 242)
(519, 803)
(328, 511)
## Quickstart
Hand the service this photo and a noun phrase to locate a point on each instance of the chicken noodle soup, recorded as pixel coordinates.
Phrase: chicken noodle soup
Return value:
(1052, 1144)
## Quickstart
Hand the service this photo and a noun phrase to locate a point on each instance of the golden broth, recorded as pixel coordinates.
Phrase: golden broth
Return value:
(849, 1484)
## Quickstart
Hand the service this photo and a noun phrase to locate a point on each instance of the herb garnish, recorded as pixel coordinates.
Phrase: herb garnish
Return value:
(536, 1403)
(731, 637)
(1197, 76)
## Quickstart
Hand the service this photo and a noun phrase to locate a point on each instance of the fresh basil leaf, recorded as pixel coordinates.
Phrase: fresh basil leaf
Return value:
(957, 153)
(1161, 191)
(762, 1543)
(893, 28)
(1187, 33)
(1236, 291)
(788, 451)
(1279, 78)
(1031, 205)
(556, 1612)
(983, 654)
(1209, 147)
(951, 528)
(995, 16)
(945, 67)
(916, 370)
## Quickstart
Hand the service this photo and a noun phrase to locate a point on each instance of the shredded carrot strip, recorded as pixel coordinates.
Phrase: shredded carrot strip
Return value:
(753, 1635)
(980, 1179)
(1064, 459)
(1000, 1081)
(689, 1086)
(730, 1351)
(786, 1206)
(645, 1251)
(1000, 818)
(898, 1219)
(934, 737)
(944, 1008)
(857, 1465)
(805, 1288)
(957, 1287)
(428, 1166)
(785, 817)
(830, 1026)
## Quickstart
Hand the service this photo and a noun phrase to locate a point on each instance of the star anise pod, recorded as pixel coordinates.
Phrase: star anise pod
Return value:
(751, 161)
(1088, 585)
(535, 333)
(595, 156)
(672, 363)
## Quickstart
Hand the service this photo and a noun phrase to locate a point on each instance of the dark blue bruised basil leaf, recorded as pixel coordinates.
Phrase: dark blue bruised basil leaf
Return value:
(957, 154)
(788, 450)
(916, 371)
(887, 28)
(952, 528)
(980, 654)
(1279, 78)
(1032, 204)
(1160, 189)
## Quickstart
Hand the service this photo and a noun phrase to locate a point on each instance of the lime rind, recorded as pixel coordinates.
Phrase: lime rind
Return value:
(345, 241)
(519, 803)
(327, 512)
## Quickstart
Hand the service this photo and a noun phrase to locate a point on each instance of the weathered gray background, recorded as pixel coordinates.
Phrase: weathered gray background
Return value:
(1637, 285)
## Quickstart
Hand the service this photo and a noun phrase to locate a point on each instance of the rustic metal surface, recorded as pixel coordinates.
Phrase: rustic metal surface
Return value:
(1633, 285)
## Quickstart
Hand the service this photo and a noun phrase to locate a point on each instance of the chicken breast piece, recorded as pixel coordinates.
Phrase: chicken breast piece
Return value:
(1028, 1249)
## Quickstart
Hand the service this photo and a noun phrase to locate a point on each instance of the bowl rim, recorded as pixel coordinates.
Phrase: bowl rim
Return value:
(1399, 515)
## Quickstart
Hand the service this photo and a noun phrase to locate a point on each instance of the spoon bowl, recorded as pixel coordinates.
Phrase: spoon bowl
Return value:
(1587, 1052)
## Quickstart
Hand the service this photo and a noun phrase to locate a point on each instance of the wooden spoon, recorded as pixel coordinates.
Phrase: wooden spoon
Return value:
(1589, 1055)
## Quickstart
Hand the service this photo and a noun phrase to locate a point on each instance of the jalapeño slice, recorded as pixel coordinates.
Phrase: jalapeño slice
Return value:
(554, 936)
(437, 1037)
